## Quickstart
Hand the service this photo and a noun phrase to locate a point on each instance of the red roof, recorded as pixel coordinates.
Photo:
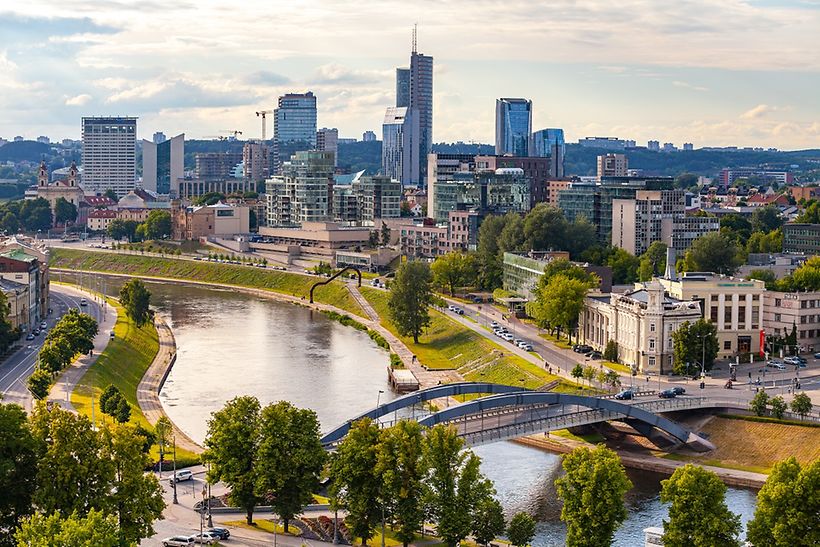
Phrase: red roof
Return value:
(102, 213)
(98, 201)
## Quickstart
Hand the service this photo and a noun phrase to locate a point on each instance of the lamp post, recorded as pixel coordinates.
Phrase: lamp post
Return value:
(174, 476)
(208, 478)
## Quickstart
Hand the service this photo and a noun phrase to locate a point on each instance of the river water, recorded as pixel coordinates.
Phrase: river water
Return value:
(232, 344)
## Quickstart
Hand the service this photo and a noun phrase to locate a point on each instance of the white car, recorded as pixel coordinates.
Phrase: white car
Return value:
(494, 325)
(182, 475)
(178, 541)
(526, 347)
(508, 337)
(205, 538)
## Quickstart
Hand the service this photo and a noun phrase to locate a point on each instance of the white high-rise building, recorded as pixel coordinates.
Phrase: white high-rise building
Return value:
(109, 154)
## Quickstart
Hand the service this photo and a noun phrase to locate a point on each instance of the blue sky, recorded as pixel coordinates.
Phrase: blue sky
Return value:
(728, 72)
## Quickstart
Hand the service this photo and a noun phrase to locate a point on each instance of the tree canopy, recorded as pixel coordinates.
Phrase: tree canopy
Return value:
(410, 298)
(136, 300)
(713, 252)
(693, 344)
(454, 270)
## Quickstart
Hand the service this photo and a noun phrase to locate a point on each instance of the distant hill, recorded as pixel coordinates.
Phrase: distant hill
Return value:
(25, 151)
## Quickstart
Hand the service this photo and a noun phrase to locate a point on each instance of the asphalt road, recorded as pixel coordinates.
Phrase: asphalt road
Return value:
(17, 367)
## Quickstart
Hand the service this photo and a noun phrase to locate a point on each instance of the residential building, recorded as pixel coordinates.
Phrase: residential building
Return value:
(462, 230)
(192, 187)
(495, 192)
(400, 148)
(99, 219)
(421, 104)
(163, 164)
(137, 204)
(733, 305)
(67, 189)
(377, 197)
(43, 139)
(688, 147)
(423, 240)
(804, 192)
(654, 146)
(784, 311)
(216, 165)
(801, 238)
(402, 87)
(513, 126)
(256, 161)
(303, 192)
(555, 186)
(441, 168)
(687, 228)
(294, 126)
(17, 299)
(219, 219)
(641, 321)
(327, 140)
(549, 143)
(25, 268)
(368, 136)
(522, 271)
(612, 165)
(728, 175)
(109, 154)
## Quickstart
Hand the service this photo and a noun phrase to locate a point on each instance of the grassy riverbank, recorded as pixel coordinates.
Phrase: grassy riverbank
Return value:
(334, 294)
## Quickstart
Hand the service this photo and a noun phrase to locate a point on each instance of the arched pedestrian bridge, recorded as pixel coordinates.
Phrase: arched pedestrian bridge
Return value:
(510, 412)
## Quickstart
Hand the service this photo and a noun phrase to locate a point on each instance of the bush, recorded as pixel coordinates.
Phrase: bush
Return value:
(39, 383)
(395, 361)
(611, 351)
(378, 338)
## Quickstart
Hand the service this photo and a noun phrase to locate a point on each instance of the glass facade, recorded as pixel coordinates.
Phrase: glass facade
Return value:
(421, 101)
(513, 127)
(294, 126)
(488, 192)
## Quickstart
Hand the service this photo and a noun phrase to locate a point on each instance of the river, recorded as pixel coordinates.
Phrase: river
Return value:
(234, 344)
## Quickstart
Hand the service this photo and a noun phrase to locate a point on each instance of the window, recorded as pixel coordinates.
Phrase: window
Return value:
(714, 314)
(777, 317)
(651, 361)
(651, 344)
(727, 344)
(777, 302)
(651, 327)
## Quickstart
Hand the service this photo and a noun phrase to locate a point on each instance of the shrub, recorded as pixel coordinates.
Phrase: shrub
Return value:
(395, 361)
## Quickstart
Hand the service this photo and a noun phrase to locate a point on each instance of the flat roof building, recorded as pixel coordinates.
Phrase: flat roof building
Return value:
(109, 154)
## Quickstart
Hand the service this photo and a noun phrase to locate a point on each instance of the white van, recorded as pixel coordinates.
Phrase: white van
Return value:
(182, 475)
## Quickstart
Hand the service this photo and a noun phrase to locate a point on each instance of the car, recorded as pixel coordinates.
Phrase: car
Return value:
(517, 341)
(375, 282)
(507, 336)
(83, 302)
(205, 538)
(221, 533)
(581, 348)
(178, 541)
(43, 325)
(197, 258)
(182, 475)
(774, 363)
(791, 360)
(678, 390)
(36, 332)
(494, 324)
(625, 395)
(111, 334)
(595, 355)
(668, 394)
(29, 337)
(458, 311)
(526, 346)
(451, 307)
(817, 355)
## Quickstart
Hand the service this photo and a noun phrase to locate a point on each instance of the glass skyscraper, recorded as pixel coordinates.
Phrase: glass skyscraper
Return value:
(403, 87)
(550, 143)
(399, 148)
(513, 126)
(163, 164)
(294, 126)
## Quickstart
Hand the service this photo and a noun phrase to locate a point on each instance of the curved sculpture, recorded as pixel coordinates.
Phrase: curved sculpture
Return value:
(445, 390)
(337, 274)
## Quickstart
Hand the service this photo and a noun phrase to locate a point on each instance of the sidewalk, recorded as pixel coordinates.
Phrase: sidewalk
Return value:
(61, 390)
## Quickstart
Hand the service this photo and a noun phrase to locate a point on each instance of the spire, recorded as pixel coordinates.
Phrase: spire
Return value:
(42, 175)
(415, 37)
(671, 257)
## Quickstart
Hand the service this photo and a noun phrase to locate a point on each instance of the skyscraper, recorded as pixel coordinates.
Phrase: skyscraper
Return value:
(403, 87)
(513, 126)
(109, 154)
(327, 140)
(163, 164)
(294, 126)
(421, 100)
(399, 148)
(550, 143)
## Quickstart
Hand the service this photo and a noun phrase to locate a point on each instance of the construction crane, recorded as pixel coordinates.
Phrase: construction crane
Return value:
(234, 132)
(262, 114)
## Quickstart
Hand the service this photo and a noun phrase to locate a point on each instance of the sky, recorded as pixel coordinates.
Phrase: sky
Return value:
(714, 73)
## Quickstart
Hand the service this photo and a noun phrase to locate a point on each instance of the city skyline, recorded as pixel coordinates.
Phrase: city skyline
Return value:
(715, 74)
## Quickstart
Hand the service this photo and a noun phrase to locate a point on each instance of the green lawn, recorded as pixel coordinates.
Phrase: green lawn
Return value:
(618, 367)
(264, 525)
(334, 294)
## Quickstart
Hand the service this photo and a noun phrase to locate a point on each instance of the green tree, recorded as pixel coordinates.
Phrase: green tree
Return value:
(545, 228)
(39, 383)
(385, 234)
(581, 235)
(624, 266)
(577, 371)
(653, 261)
(779, 406)
(18, 462)
(592, 491)
(410, 298)
(686, 180)
(111, 194)
(698, 515)
(521, 530)
(136, 300)
(401, 466)
(453, 270)
(109, 399)
(511, 238)
(801, 404)
(95, 529)
(766, 219)
(356, 484)
(736, 226)
(158, 224)
(122, 229)
(290, 458)
(231, 449)
(589, 374)
(568, 269)
(693, 344)
(64, 211)
(759, 403)
(489, 256)
(560, 302)
(123, 413)
(611, 351)
(787, 507)
(35, 215)
(163, 430)
(488, 521)
(807, 276)
(767, 276)
(9, 223)
(713, 252)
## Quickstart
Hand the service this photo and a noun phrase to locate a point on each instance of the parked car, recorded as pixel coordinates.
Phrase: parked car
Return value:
(29, 337)
(221, 533)
(595, 355)
(451, 307)
(83, 302)
(36, 332)
(494, 325)
(817, 355)
(182, 475)
(458, 311)
(774, 363)
(517, 341)
(625, 395)
(526, 346)
(43, 325)
(178, 541)
(668, 394)
(581, 348)
(205, 538)
(678, 390)
(507, 336)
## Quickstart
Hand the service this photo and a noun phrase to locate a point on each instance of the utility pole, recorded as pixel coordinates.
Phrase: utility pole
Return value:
(174, 476)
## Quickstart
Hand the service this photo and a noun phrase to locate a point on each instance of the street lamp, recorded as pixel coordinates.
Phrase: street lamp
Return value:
(174, 476)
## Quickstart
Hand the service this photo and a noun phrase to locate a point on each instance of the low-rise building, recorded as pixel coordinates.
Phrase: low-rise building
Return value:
(425, 239)
(323, 236)
(195, 222)
(17, 298)
(784, 311)
(22, 268)
(801, 238)
(99, 219)
(374, 260)
(522, 272)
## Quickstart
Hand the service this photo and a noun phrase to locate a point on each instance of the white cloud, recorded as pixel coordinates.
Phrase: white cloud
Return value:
(757, 112)
(687, 85)
(78, 100)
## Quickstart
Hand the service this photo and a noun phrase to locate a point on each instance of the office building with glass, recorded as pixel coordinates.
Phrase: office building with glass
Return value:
(513, 126)
(421, 101)
(403, 87)
(549, 143)
(294, 126)
(399, 147)
(163, 165)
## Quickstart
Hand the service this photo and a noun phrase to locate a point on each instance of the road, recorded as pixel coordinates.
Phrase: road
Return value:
(17, 367)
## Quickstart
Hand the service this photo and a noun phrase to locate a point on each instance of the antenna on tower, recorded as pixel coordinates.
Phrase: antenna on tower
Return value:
(415, 31)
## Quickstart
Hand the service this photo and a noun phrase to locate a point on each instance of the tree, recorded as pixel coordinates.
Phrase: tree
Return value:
(39, 383)
(410, 298)
(593, 492)
(767, 276)
(694, 343)
(787, 507)
(653, 261)
(123, 411)
(713, 252)
(454, 485)
(158, 224)
(545, 228)
(779, 406)
(64, 211)
(807, 276)
(290, 458)
(736, 226)
(698, 515)
(559, 303)
(589, 374)
(766, 219)
(18, 462)
(521, 530)
(136, 300)
(801, 405)
(686, 180)
(35, 215)
(109, 399)
(162, 431)
(489, 257)
(624, 266)
(511, 238)
(453, 270)
(385, 233)
(488, 521)
(611, 351)
(401, 466)
(135, 497)
(122, 229)
(231, 446)
(111, 194)
(9, 223)
(759, 403)
(577, 371)
(95, 529)
(355, 482)
(581, 235)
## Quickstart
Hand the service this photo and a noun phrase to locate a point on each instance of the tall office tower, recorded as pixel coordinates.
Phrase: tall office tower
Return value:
(513, 126)
(294, 126)
(368, 136)
(109, 154)
(550, 143)
(255, 161)
(399, 146)
(159, 137)
(612, 165)
(421, 100)
(163, 164)
(402, 87)
(327, 140)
